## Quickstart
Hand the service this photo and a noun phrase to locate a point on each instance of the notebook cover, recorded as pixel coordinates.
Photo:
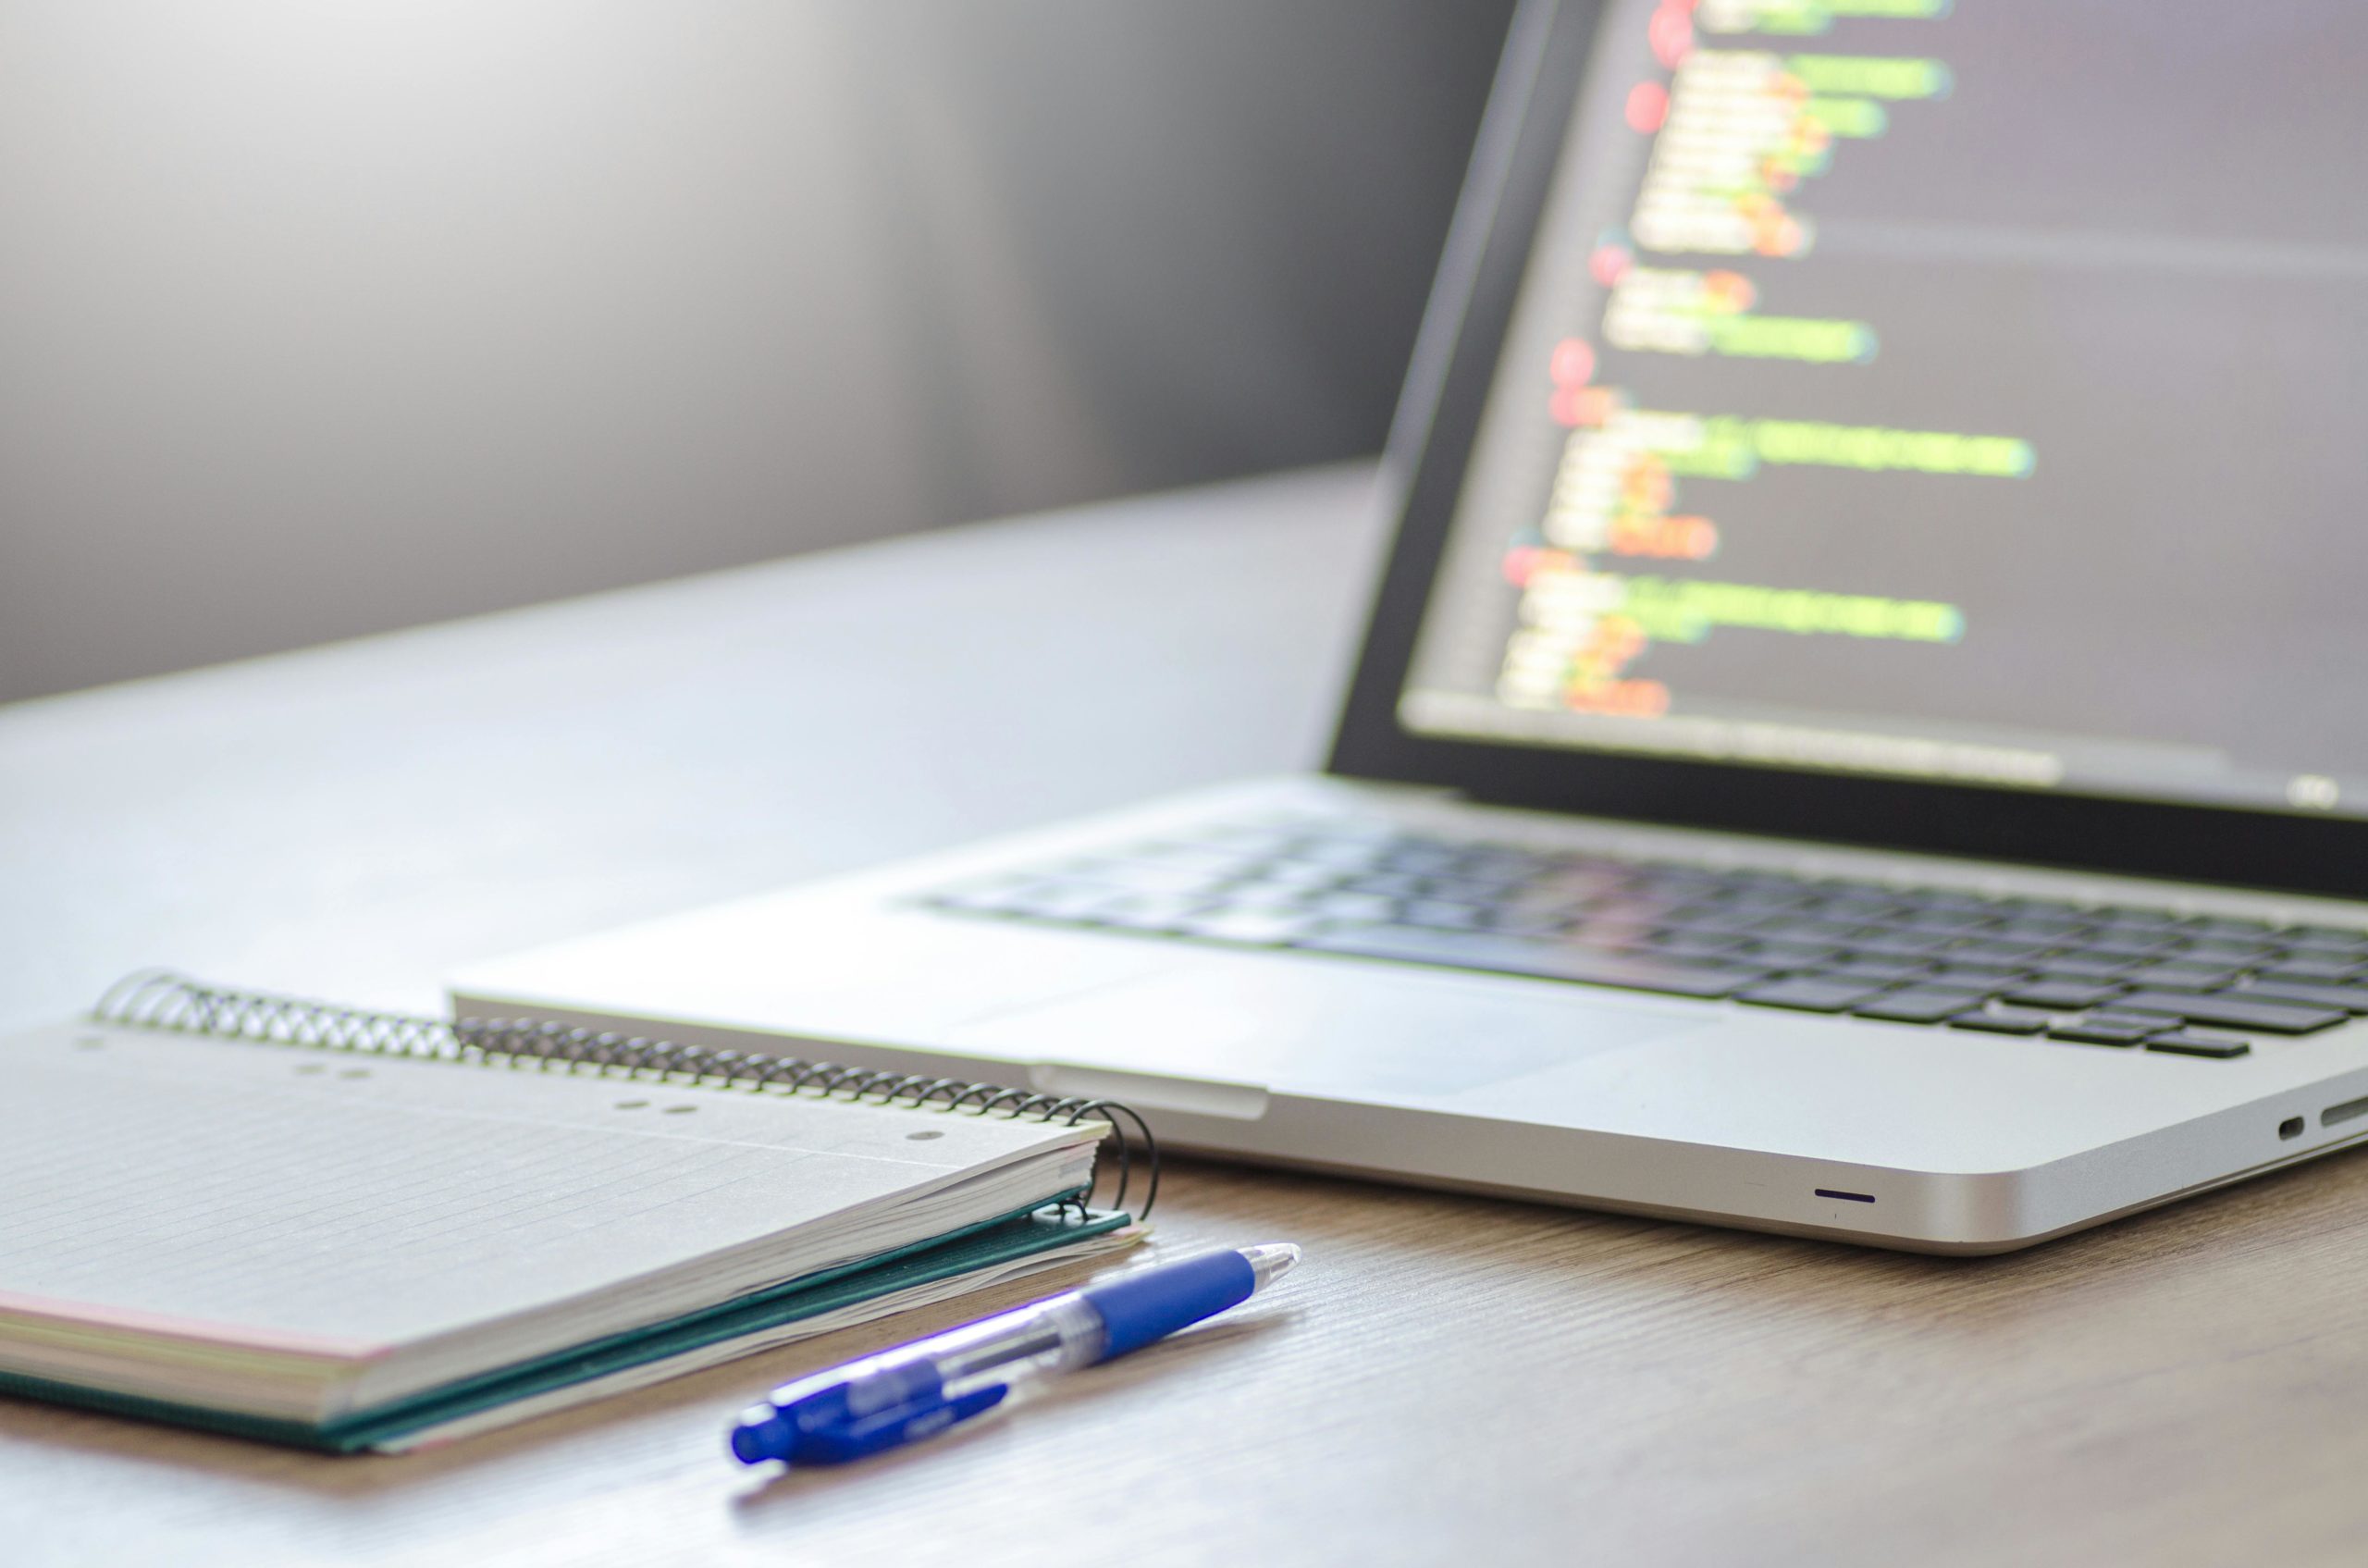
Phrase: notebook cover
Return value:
(1034, 1230)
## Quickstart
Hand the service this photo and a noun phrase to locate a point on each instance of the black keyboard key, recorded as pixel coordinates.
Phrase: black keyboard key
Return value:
(2229, 1007)
(2077, 966)
(1860, 911)
(2004, 1021)
(2174, 975)
(1769, 903)
(1970, 903)
(1542, 960)
(2193, 1042)
(2104, 1031)
(1821, 930)
(1780, 953)
(1695, 877)
(1688, 943)
(1955, 925)
(2309, 970)
(2351, 998)
(1898, 944)
(2221, 925)
(2151, 1022)
(1627, 914)
(1989, 977)
(2136, 919)
(1919, 1005)
(2325, 940)
(2063, 996)
(1850, 887)
(1987, 951)
(2036, 928)
(2128, 945)
(1876, 969)
(1811, 994)
(2331, 935)
(2241, 954)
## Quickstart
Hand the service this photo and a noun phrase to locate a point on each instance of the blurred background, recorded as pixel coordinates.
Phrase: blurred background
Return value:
(322, 317)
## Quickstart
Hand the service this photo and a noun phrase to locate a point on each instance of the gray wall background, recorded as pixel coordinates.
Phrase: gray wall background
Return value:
(319, 317)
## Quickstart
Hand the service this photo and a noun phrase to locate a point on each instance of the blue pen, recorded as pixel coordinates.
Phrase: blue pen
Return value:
(917, 1390)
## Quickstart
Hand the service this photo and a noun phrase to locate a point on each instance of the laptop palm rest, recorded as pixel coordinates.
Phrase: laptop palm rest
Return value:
(1175, 1040)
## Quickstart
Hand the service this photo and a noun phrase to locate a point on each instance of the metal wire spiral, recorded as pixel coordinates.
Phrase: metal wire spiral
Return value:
(164, 1000)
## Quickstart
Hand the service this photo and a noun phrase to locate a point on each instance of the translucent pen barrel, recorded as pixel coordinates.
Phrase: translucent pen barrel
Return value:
(1058, 1335)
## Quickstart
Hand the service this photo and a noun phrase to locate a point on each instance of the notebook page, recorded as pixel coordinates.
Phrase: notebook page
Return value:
(318, 1201)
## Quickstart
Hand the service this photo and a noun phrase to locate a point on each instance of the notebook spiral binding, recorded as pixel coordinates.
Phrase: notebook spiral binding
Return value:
(162, 999)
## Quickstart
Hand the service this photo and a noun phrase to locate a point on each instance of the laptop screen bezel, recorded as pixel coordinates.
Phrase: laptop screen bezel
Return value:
(1535, 93)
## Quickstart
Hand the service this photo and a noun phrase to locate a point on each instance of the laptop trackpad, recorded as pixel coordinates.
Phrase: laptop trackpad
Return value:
(1318, 1026)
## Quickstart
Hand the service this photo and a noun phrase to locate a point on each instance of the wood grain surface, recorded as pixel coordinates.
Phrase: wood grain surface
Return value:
(1446, 1380)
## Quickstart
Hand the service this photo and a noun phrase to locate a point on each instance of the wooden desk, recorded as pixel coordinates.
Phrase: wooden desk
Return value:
(1446, 1380)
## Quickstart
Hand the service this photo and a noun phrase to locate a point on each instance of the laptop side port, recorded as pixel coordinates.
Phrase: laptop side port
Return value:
(2345, 1112)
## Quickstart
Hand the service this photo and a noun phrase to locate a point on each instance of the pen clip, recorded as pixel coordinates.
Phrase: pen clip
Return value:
(886, 1429)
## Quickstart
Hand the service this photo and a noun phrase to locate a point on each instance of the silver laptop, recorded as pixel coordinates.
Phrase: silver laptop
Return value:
(1863, 732)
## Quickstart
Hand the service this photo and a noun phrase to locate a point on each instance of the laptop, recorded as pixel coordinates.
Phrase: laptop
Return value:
(1861, 731)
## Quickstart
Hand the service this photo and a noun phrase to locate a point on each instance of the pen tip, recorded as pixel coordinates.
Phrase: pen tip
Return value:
(1268, 1260)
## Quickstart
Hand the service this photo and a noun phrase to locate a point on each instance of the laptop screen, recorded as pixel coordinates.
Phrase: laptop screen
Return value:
(1971, 392)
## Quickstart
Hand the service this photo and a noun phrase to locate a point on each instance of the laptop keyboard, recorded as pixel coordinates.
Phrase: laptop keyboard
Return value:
(2123, 976)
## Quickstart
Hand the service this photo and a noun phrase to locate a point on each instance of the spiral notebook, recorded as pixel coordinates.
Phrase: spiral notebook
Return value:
(360, 1231)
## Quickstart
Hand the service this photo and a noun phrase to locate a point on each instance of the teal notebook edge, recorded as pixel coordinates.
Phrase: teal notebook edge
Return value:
(986, 1245)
